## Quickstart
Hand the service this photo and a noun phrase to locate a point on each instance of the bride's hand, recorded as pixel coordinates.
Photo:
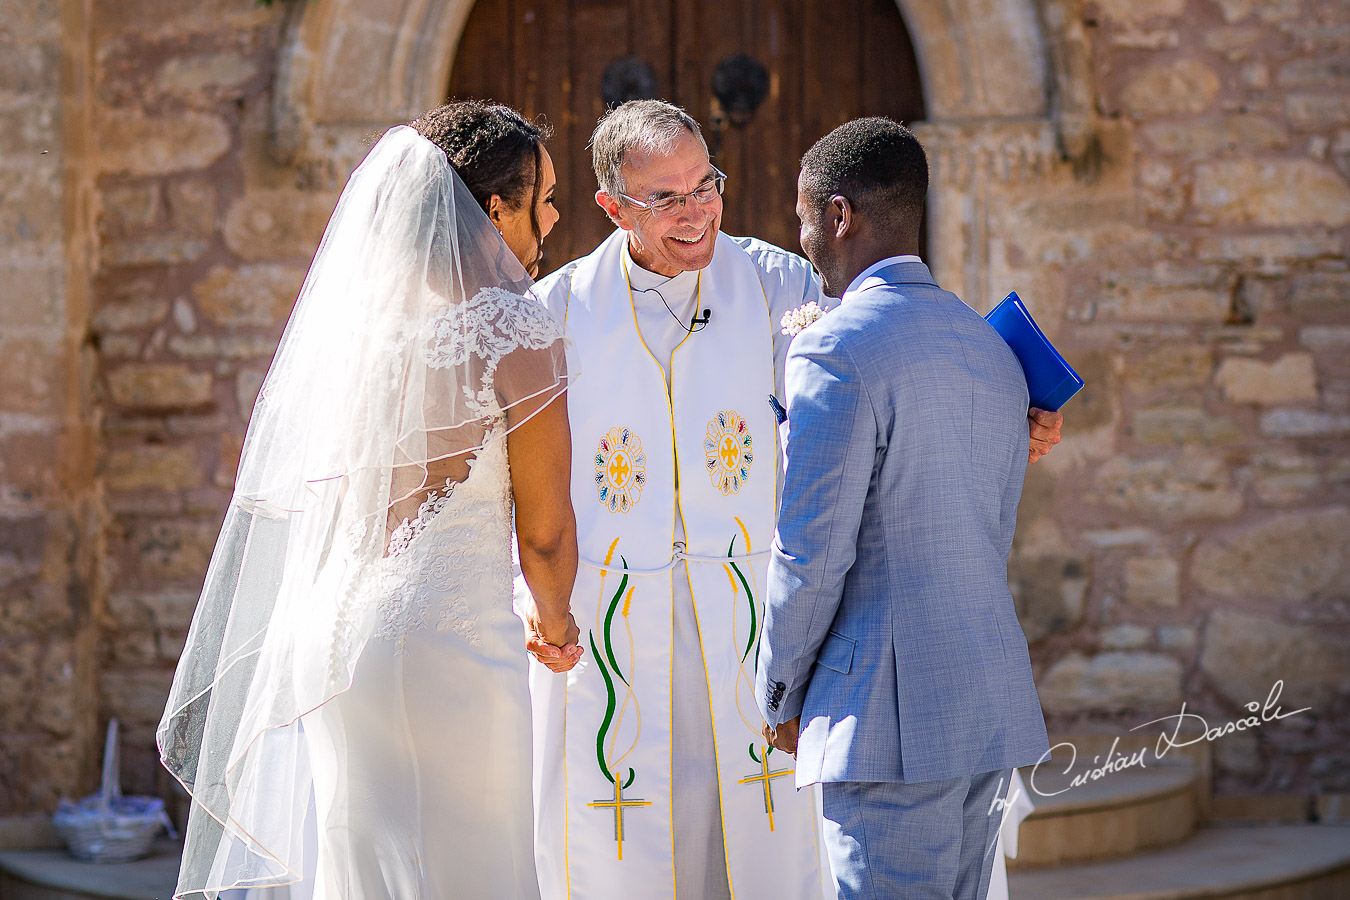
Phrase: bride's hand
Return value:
(557, 659)
(560, 653)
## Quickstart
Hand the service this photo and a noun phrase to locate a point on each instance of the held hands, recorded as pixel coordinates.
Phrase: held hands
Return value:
(553, 643)
(1046, 428)
(784, 737)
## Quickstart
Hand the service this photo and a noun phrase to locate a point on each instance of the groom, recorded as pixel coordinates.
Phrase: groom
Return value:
(890, 638)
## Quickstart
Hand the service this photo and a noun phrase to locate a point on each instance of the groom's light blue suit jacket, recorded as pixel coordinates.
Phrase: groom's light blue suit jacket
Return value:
(889, 626)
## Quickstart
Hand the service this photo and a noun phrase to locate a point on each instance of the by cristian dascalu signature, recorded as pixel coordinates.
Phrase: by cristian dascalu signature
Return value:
(1169, 739)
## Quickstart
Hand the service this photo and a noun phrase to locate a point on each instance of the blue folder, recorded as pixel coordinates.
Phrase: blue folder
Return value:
(1050, 380)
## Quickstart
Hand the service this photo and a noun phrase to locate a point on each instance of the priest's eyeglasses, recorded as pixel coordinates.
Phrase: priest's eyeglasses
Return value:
(664, 207)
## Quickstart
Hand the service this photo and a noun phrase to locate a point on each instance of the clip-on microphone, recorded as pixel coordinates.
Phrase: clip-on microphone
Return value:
(696, 321)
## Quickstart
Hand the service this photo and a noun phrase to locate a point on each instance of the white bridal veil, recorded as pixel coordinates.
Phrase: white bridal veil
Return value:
(392, 372)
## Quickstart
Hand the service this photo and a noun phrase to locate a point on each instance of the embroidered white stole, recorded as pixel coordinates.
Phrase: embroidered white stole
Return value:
(716, 432)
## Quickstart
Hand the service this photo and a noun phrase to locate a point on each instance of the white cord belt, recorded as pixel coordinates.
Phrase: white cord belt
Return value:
(677, 556)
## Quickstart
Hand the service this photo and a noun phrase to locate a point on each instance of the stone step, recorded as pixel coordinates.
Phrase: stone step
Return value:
(1278, 862)
(1118, 815)
(1285, 862)
(55, 875)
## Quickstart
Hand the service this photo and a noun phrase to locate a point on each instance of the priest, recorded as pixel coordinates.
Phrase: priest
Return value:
(652, 777)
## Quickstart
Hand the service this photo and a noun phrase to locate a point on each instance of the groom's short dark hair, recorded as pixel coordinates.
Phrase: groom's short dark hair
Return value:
(878, 164)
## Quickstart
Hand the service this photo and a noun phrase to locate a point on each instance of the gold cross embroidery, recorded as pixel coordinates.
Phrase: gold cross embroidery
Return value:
(765, 777)
(618, 469)
(730, 452)
(618, 804)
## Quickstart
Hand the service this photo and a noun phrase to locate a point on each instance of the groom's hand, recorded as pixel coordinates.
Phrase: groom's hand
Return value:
(1046, 428)
(784, 737)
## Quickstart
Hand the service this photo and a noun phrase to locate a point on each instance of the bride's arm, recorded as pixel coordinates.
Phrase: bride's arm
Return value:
(540, 452)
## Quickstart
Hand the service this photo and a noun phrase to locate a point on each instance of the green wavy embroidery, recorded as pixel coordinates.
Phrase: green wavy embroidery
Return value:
(750, 597)
(610, 703)
(755, 756)
(609, 621)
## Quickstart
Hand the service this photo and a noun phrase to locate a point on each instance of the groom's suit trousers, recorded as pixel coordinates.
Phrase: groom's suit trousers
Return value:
(933, 840)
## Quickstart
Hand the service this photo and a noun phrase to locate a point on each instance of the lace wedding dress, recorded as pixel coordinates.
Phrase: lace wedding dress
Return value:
(352, 700)
(422, 767)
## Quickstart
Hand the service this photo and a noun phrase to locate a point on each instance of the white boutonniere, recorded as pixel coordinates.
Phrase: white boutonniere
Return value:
(795, 321)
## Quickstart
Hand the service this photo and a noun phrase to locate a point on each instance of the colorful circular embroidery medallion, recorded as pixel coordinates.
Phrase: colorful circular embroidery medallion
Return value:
(728, 451)
(620, 470)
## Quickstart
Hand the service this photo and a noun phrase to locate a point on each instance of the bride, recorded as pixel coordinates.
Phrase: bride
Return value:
(354, 656)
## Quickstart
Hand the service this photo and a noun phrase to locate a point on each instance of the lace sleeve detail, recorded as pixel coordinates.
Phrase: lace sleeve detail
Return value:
(489, 326)
(486, 329)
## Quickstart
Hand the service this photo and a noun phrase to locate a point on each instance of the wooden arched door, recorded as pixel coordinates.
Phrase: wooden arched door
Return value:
(818, 63)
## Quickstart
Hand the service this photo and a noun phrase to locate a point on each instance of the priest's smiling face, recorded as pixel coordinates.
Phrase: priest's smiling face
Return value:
(679, 243)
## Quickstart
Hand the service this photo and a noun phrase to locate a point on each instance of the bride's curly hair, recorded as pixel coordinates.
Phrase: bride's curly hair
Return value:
(494, 148)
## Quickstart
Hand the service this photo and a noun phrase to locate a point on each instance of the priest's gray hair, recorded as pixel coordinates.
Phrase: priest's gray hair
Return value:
(647, 126)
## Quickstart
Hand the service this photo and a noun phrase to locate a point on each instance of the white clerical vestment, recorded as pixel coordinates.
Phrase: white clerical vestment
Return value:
(663, 308)
(651, 777)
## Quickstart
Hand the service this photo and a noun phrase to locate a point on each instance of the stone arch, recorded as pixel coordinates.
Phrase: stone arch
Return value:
(978, 58)
(348, 68)
(1006, 86)
(359, 65)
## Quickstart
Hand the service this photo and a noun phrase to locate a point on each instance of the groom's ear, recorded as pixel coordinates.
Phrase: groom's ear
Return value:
(612, 207)
(841, 217)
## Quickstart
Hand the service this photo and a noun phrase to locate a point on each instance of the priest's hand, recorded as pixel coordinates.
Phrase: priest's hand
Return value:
(784, 737)
(1046, 428)
(555, 644)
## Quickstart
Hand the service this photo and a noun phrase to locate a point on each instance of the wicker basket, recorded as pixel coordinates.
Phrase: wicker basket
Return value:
(107, 827)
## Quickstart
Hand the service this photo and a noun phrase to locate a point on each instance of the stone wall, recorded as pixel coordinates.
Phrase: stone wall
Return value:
(1190, 540)
(1187, 542)
(202, 245)
(49, 524)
